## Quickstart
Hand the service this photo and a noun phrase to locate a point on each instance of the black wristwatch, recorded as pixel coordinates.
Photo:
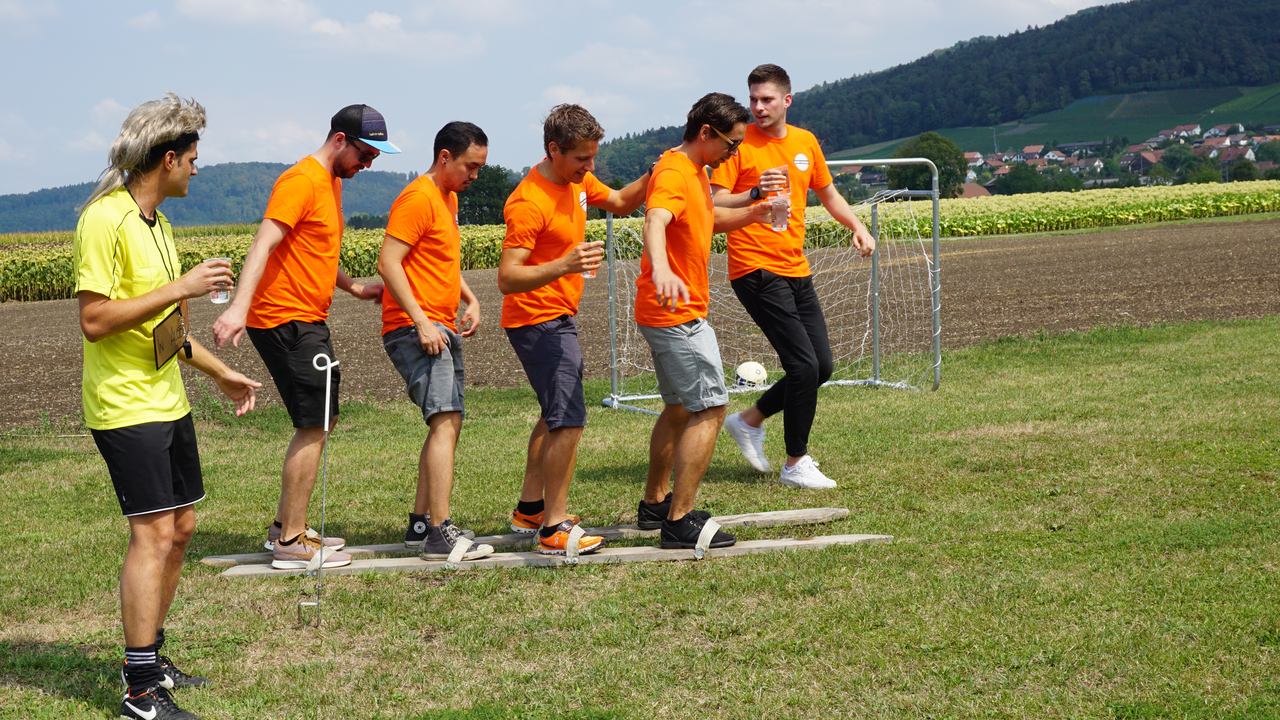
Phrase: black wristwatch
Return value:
(755, 192)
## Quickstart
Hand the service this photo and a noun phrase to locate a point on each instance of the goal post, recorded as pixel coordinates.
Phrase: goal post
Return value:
(882, 312)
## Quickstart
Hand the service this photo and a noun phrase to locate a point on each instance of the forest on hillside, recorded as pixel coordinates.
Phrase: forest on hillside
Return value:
(1111, 49)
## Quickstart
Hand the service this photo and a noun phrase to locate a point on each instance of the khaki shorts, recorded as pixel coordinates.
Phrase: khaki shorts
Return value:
(687, 361)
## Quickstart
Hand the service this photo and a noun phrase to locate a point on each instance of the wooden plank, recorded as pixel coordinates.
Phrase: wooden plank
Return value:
(779, 518)
(607, 555)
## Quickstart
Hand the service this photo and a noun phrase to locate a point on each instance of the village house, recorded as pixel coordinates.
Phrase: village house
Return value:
(1223, 130)
(1031, 152)
(1186, 131)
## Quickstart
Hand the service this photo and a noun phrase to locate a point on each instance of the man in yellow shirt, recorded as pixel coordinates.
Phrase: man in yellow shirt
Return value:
(133, 299)
(770, 274)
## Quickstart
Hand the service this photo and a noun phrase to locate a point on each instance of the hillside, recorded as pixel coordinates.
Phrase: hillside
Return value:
(220, 194)
(1136, 116)
(1112, 50)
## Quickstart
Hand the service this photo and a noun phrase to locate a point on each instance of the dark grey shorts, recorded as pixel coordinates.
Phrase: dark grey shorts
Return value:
(686, 360)
(154, 466)
(434, 382)
(552, 361)
(288, 351)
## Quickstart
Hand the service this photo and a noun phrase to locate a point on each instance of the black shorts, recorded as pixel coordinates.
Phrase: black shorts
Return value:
(154, 466)
(288, 351)
(552, 361)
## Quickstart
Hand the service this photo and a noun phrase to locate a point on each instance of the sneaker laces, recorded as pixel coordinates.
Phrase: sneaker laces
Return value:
(451, 532)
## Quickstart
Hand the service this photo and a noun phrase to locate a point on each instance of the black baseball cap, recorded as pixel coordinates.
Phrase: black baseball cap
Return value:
(363, 123)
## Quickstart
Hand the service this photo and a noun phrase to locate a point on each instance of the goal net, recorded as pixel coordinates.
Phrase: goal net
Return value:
(880, 310)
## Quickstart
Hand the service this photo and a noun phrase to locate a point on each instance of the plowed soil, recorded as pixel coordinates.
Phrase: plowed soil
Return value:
(1008, 286)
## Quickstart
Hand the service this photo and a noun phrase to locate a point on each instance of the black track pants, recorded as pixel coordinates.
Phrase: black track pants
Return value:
(787, 310)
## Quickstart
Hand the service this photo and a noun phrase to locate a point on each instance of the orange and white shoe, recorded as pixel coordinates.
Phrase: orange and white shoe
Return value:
(530, 524)
(555, 545)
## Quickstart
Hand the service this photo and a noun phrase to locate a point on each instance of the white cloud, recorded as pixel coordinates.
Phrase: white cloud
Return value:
(379, 33)
(490, 12)
(20, 11)
(282, 141)
(599, 104)
(626, 67)
(145, 21)
(89, 142)
(296, 15)
(107, 108)
(7, 153)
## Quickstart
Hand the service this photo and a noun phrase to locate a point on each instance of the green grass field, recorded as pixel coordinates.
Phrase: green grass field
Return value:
(1085, 528)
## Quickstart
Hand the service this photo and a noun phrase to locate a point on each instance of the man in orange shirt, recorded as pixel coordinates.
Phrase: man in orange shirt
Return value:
(421, 266)
(672, 295)
(770, 274)
(286, 286)
(540, 273)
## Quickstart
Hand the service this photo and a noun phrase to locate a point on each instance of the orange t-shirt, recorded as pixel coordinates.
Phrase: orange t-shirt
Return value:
(297, 283)
(550, 220)
(681, 188)
(757, 246)
(426, 219)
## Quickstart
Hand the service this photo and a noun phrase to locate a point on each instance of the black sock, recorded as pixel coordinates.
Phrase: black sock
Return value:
(531, 507)
(141, 669)
(159, 641)
(665, 501)
(290, 542)
(276, 524)
(547, 532)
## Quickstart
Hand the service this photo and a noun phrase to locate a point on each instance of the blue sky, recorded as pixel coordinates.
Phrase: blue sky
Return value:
(272, 72)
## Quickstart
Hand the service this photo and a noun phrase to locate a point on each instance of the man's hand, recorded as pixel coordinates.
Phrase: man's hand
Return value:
(239, 389)
(230, 325)
(372, 291)
(432, 338)
(585, 256)
(763, 212)
(207, 277)
(671, 290)
(772, 180)
(864, 242)
(470, 322)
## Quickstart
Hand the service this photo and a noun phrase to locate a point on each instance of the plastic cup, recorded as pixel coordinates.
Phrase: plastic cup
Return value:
(781, 212)
(588, 274)
(218, 297)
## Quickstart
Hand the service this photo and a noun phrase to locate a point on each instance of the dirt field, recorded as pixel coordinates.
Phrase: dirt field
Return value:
(990, 288)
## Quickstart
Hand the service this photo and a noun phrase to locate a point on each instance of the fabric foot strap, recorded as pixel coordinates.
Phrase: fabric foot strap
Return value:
(571, 547)
(704, 539)
(318, 559)
(455, 556)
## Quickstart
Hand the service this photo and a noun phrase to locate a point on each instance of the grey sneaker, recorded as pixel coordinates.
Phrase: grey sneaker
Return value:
(805, 474)
(750, 441)
(273, 534)
(442, 538)
(417, 532)
(299, 554)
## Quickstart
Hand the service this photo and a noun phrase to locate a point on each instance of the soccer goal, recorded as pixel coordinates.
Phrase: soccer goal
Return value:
(882, 312)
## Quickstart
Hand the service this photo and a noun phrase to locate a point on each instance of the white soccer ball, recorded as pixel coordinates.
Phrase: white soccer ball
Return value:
(750, 373)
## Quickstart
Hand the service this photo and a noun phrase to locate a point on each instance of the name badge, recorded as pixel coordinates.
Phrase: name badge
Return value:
(169, 337)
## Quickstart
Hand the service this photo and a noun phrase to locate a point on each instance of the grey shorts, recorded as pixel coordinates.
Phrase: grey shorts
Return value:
(552, 361)
(687, 361)
(434, 382)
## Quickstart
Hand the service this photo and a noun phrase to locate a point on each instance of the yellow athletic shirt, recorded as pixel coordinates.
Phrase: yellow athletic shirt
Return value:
(120, 255)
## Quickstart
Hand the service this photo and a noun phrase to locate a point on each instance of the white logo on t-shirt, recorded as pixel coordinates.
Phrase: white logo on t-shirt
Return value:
(802, 162)
(582, 199)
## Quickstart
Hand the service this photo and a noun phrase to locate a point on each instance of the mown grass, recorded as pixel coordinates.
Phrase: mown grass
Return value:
(1085, 528)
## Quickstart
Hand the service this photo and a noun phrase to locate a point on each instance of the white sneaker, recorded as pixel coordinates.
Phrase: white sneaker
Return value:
(750, 441)
(805, 474)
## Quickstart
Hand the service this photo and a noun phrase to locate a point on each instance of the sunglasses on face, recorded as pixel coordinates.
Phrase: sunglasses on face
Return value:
(733, 144)
(365, 156)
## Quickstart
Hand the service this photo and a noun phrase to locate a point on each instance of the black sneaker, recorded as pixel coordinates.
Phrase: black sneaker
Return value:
(171, 677)
(441, 539)
(683, 533)
(651, 515)
(417, 532)
(153, 704)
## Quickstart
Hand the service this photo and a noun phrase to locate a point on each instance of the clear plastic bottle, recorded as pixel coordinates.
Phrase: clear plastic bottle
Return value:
(780, 204)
